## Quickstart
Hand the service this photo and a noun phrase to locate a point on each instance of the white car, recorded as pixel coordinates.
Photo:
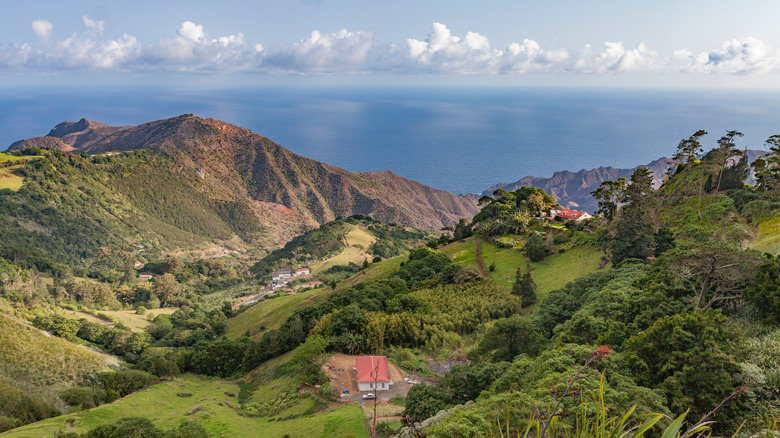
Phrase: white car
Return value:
(369, 396)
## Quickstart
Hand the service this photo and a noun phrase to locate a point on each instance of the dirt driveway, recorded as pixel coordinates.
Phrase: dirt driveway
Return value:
(343, 375)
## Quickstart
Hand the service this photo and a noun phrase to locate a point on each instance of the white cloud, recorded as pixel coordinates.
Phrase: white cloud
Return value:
(98, 26)
(341, 51)
(443, 52)
(42, 28)
(191, 48)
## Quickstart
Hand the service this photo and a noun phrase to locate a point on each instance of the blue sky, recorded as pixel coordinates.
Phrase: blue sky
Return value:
(570, 42)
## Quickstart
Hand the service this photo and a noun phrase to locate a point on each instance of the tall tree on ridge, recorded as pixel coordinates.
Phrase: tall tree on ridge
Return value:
(726, 151)
(635, 228)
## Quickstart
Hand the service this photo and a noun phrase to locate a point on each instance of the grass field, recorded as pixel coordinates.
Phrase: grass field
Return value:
(29, 357)
(768, 239)
(272, 313)
(549, 274)
(167, 404)
(136, 322)
(7, 157)
(357, 242)
(9, 179)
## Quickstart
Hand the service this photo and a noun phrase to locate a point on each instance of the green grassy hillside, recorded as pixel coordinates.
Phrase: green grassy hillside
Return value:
(271, 314)
(34, 368)
(29, 356)
(549, 274)
(210, 402)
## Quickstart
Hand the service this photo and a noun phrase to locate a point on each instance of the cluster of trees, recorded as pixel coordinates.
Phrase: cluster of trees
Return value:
(106, 387)
(680, 274)
(510, 212)
(139, 427)
(344, 317)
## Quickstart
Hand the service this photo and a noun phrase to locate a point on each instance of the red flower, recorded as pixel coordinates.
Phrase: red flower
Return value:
(602, 352)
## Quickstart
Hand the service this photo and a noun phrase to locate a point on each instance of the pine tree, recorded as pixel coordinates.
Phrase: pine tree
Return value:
(525, 287)
(635, 229)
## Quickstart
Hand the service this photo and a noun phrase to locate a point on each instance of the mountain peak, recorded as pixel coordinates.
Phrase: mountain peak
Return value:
(68, 128)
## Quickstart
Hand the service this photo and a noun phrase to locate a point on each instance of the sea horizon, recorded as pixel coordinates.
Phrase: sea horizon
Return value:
(463, 139)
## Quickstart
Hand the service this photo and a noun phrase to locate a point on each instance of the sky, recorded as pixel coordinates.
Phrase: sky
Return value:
(549, 42)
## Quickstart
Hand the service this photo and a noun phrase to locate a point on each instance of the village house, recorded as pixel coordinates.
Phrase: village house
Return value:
(373, 373)
(571, 215)
(137, 264)
(281, 274)
(144, 277)
(302, 271)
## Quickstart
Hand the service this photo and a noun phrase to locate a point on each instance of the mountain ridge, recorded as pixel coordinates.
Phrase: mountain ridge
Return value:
(238, 163)
(572, 189)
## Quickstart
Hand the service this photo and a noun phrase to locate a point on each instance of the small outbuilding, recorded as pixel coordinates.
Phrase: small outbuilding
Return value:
(373, 373)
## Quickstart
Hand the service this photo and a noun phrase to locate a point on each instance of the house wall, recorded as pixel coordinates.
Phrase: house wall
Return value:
(369, 386)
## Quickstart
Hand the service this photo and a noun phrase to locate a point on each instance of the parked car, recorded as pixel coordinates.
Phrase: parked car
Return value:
(369, 396)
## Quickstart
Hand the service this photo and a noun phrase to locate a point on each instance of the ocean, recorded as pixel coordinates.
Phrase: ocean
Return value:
(460, 139)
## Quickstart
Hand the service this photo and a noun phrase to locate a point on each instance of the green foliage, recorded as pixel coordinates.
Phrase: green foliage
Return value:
(764, 292)
(422, 401)
(509, 212)
(507, 338)
(139, 427)
(609, 195)
(525, 287)
(535, 248)
(688, 356)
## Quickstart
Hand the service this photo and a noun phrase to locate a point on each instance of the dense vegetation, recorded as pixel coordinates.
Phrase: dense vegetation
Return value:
(680, 317)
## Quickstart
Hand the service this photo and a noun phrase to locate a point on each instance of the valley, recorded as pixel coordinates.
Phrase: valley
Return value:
(130, 257)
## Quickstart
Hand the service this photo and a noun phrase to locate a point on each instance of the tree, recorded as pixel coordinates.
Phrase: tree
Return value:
(462, 230)
(725, 152)
(689, 150)
(525, 287)
(688, 153)
(535, 248)
(166, 288)
(715, 272)
(507, 338)
(308, 360)
(634, 230)
(689, 357)
(767, 167)
(764, 291)
(609, 195)
(664, 241)
(423, 401)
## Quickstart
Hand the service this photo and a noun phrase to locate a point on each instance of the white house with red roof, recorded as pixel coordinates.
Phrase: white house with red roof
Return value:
(302, 271)
(572, 215)
(373, 373)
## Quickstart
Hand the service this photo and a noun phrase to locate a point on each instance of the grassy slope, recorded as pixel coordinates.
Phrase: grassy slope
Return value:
(161, 404)
(9, 179)
(135, 322)
(549, 274)
(358, 241)
(28, 356)
(768, 239)
(274, 312)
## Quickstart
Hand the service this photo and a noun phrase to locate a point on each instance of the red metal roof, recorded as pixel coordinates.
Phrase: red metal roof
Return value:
(569, 214)
(367, 365)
